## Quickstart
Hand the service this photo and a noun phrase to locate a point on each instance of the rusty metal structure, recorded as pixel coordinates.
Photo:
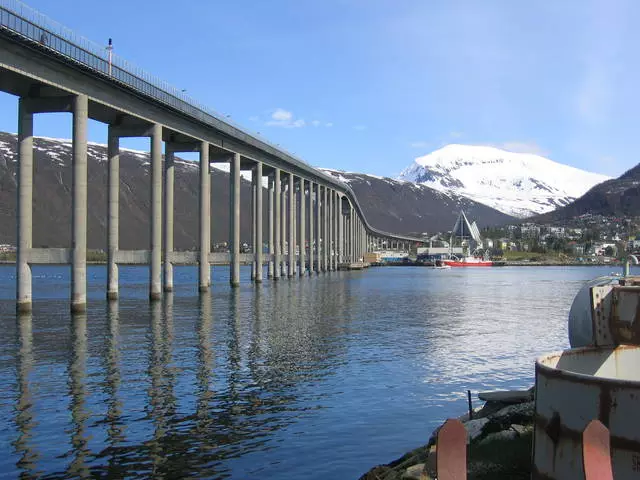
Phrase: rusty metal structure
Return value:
(598, 378)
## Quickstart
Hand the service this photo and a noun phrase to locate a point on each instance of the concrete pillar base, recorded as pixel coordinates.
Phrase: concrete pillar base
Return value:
(112, 295)
(235, 284)
(78, 307)
(24, 307)
(203, 288)
(258, 280)
(155, 296)
(168, 288)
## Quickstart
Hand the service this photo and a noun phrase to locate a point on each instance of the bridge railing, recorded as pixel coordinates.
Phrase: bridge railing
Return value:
(44, 32)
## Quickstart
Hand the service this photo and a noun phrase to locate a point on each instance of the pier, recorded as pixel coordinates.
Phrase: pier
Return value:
(314, 222)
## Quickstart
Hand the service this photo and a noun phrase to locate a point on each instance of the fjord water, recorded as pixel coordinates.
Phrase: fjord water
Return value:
(314, 378)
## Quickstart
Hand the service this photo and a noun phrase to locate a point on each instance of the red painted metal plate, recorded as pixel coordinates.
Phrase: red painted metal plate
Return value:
(451, 453)
(596, 454)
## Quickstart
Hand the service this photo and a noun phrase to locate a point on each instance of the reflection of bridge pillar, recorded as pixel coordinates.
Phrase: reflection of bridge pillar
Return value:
(258, 223)
(77, 384)
(204, 269)
(234, 229)
(168, 213)
(312, 220)
(25, 207)
(292, 226)
(270, 219)
(115, 431)
(277, 188)
(24, 406)
(155, 279)
(80, 108)
(302, 228)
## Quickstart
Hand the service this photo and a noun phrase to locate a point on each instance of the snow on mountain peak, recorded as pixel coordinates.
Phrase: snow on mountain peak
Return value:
(519, 184)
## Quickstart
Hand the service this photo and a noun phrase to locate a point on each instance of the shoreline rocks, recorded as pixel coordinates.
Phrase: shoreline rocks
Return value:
(499, 439)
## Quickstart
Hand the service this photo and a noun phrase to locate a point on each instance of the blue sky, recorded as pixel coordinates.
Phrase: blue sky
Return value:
(368, 85)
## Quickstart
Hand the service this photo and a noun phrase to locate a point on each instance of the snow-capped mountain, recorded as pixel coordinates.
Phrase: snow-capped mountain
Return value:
(518, 184)
(407, 207)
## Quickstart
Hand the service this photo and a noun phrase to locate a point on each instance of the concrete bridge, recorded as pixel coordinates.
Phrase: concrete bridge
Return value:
(314, 222)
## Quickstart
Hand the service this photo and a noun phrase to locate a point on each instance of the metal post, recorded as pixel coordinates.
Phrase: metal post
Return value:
(168, 212)
(234, 230)
(113, 213)
(276, 227)
(25, 207)
(303, 227)
(205, 219)
(259, 198)
(292, 227)
(79, 200)
(270, 220)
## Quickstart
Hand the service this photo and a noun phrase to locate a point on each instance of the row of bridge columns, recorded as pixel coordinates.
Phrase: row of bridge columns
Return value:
(296, 206)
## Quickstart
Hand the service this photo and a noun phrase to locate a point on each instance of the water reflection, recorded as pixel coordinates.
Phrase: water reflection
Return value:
(25, 417)
(263, 382)
(77, 392)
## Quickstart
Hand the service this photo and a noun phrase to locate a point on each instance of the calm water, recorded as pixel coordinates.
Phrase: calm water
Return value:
(322, 377)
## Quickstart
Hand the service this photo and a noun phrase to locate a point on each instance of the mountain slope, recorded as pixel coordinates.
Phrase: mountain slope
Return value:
(619, 197)
(405, 207)
(518, 184)
(52, 197)
(389, 204)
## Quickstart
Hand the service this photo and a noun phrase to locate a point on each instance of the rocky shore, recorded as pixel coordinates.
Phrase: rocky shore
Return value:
(499, 439)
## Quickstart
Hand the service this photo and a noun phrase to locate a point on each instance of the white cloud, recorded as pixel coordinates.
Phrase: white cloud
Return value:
(254, 118)
(315, 123)
(360, 128)
(282, 115)
(328, 124)
(455, 134)
(284, 118)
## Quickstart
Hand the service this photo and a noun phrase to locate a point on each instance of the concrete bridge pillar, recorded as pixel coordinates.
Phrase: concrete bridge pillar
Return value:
(258, 223)
(234, 218)
(254, 218)
(331, 243)
(113, 212)
(283, 223)
(25, 207)
(277, 230)
(155, 287)
(326, 237)
(204, 268)
(318, 230)
(80, 108)
(340, 224)
(292, 226)
(270, 219)
(302, 228)
(312, 221)
(168, 214)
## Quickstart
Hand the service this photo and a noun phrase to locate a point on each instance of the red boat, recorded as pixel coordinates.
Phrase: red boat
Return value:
(468, 262)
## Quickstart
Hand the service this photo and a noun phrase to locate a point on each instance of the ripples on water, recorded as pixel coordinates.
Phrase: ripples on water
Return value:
(321, 377)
